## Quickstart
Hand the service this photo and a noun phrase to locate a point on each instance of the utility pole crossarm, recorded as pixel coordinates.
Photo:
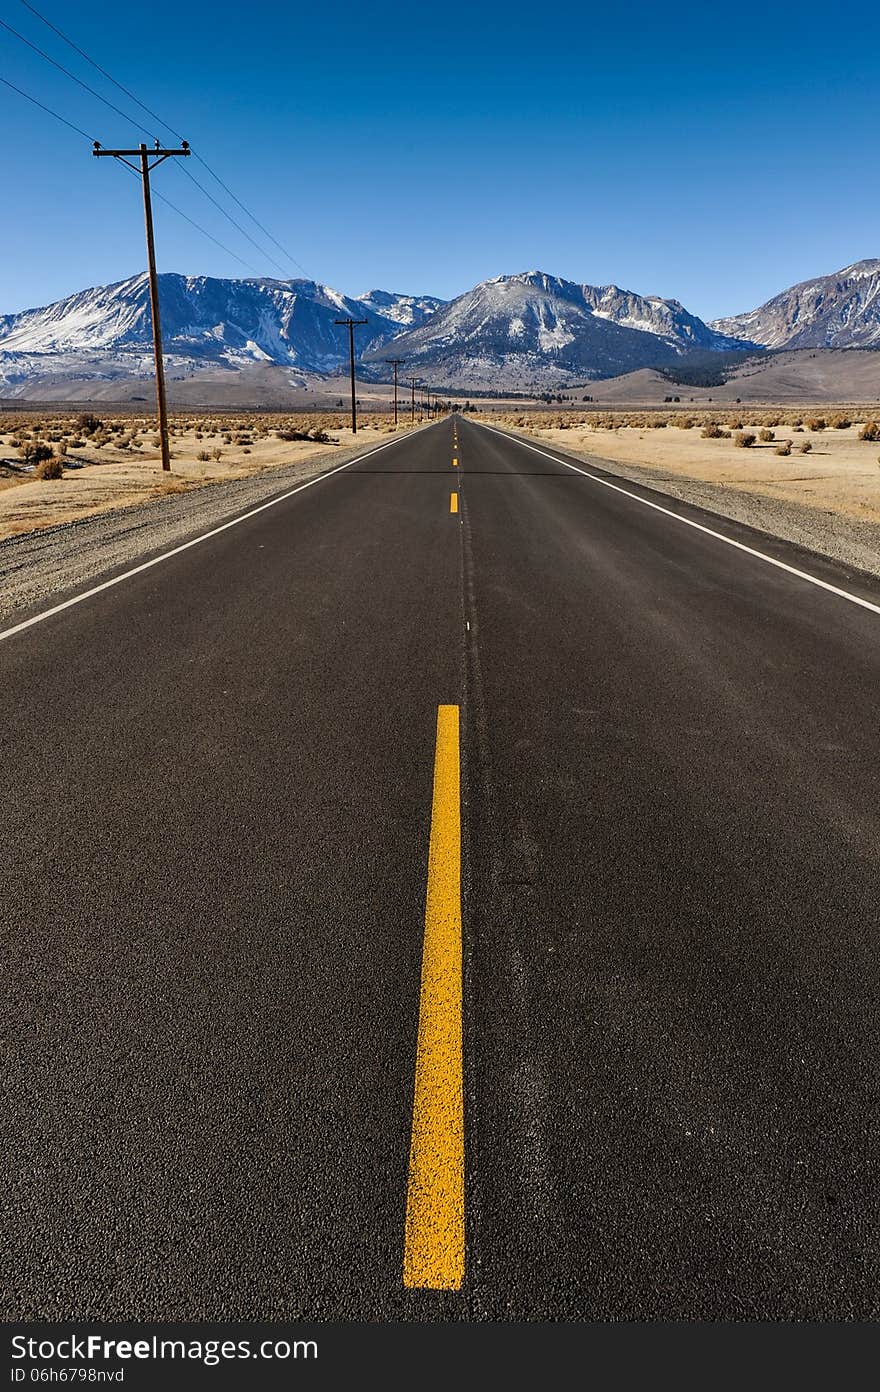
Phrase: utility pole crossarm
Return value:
(351, 325)
(144, 168)
(158, 154)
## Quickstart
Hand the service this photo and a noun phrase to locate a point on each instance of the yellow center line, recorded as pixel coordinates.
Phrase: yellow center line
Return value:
(453, 502)
(454, 462)
(434, 1247)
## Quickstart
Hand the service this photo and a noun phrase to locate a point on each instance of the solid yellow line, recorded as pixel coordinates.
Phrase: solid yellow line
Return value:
(434, 1247)
(453, 502)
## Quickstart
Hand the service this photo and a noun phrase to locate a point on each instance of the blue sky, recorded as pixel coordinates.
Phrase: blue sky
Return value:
(711, 155)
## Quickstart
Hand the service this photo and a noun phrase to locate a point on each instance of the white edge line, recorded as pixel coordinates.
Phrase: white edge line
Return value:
(688, 522)
(194, 541)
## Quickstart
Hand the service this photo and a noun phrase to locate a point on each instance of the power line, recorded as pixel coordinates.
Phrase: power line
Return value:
(209, 235)
(73, 77)
(103, 71)
(27, 96)
(127, 117)
(264, 230)
(127, 91)
(186, 217)
(173, 206)
(235, 224)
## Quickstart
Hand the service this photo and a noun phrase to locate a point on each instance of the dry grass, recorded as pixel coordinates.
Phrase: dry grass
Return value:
(731, 418)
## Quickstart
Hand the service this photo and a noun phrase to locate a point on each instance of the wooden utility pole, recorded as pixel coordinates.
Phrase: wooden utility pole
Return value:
(144, 168)
(395, 363)
(352, 324)
(412, 399)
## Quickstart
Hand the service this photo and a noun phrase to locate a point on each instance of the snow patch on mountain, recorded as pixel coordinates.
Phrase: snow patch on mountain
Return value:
(406, 310)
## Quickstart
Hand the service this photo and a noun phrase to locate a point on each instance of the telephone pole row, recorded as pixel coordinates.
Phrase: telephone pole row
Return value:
(145, 168)
(352, 324)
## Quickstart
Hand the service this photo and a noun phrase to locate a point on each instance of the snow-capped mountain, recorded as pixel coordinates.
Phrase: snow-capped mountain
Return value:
(106, 331)
(535, 329)
(514, 332)
(841, 310)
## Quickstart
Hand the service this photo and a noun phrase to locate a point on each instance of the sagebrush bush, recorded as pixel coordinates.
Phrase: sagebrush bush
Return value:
(34, 453)
(870, 431)
(766, 435)
(51, 468)
(784, 448)
(805, 447)
(816, 423)
(712, 431)
(744, 439)
(203, 456)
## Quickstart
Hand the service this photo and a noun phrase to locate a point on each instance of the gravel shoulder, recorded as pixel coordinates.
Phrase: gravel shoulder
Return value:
(840, 536)
(46, 566)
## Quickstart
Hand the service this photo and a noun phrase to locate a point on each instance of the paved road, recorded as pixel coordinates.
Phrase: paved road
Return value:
(217, 790)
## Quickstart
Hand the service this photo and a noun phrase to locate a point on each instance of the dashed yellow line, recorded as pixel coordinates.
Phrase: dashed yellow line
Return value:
(453, 502)
(454, 462)
(434, 1245)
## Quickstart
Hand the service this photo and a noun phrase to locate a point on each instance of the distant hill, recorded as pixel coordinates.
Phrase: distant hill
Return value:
(815, 375)
(841, 310)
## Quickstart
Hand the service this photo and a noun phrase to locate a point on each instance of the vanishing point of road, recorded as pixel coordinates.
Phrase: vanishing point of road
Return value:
(450, 892)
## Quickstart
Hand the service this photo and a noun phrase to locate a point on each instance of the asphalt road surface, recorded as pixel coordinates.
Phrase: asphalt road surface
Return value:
(221, 777)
